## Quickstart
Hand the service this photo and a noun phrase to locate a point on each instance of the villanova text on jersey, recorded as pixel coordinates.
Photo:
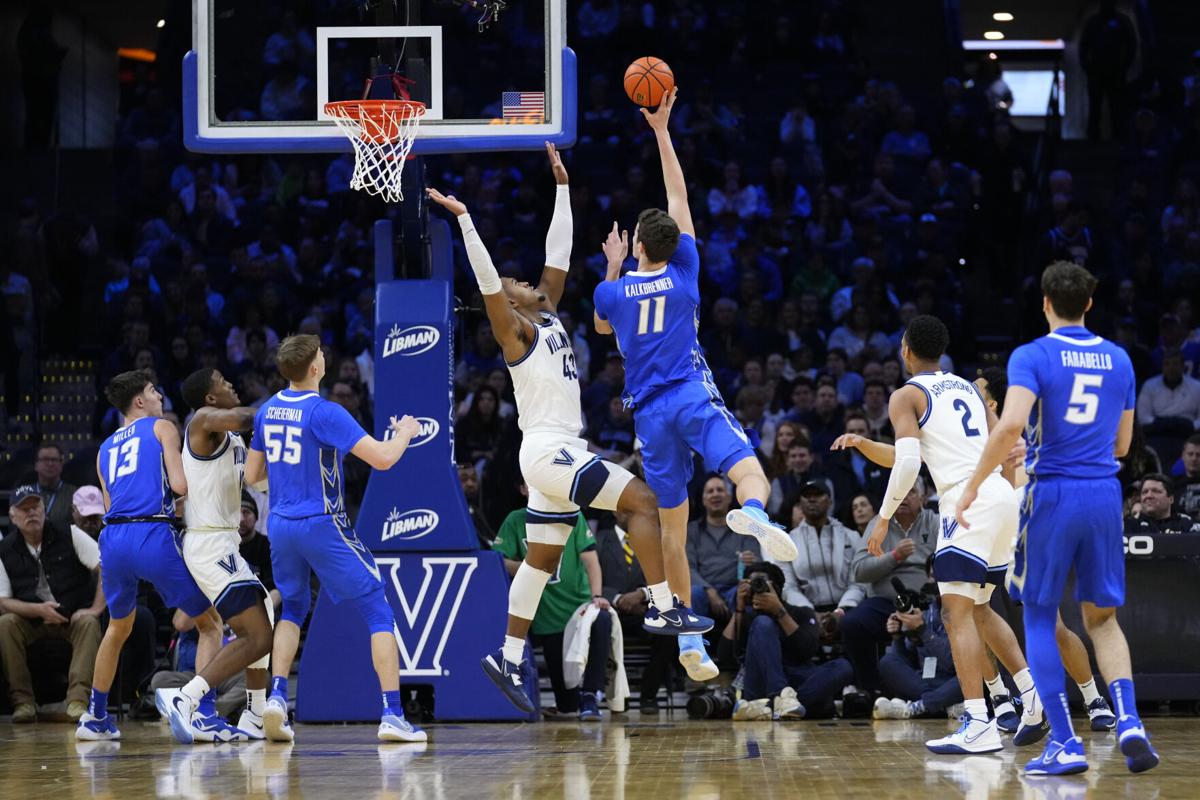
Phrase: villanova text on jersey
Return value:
(1083, 383)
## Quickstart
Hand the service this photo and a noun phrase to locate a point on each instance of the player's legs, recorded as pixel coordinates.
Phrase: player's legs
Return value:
(1074, 653)
(645, 533)
(673, 523)
(668, 465)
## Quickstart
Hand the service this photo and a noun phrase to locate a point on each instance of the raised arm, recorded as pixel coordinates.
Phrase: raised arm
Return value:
(168, 436)
(208, 420)
(615, 249)
(559, 235)
(677, 199)
(512, 331)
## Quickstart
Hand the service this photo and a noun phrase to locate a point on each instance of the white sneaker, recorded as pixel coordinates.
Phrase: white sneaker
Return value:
(695, 660)
(162, 701)
(398, 729)
(891, 709)
(252, 724)
(973, 736)
(752, 710)
(788, 706)
(773, 539)
(275, 721)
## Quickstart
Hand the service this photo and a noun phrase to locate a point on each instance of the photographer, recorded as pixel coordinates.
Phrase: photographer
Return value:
(918, 669)
(911, 538)
(778, 642)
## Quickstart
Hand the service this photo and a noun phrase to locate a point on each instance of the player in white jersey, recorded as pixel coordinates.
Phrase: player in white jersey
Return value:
(561, 473)
(942, 419)
(214, 457)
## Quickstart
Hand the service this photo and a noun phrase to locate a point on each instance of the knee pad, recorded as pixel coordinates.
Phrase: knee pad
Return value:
(960, 588)
(526, 591)
(555, 534)
(373, 607)
(983, 594)
(295, 609)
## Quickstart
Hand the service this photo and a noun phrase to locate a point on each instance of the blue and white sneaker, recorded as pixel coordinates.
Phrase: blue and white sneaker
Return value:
(676, 621)
(973, 736)
(1059, 758)
(589, 707)
(1100, 715)
(163, 698)
(1135, 745)
(695, 660)
(187, 728)
(772, 538)
(399, 729)
(507, 676)
(1008, 719)
(94, 729)
(1033, 721)
(275, 720)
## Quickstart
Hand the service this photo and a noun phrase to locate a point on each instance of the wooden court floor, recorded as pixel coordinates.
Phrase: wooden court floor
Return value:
(614, 760)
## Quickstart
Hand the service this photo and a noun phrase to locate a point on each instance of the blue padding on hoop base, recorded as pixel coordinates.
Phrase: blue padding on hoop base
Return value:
(335, 142)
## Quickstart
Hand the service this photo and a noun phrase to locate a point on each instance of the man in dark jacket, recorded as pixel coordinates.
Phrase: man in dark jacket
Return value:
(778, 645)
(624, 585)
(918, 669)
(48, 589)
(1158, 514)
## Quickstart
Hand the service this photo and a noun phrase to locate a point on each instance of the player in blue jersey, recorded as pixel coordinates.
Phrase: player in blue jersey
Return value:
(139, 467)
(1074, 392)
(298, 444)
(654, 314)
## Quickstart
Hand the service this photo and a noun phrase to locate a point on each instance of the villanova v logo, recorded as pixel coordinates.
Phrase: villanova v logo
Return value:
(229, 563)
(949, 526)
(424, 624)
(564, 459)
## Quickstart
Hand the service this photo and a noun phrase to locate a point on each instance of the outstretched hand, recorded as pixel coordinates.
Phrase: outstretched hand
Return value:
(556, 165)
(846, 441)
(616, 246)
(448, 202)
(658, 118)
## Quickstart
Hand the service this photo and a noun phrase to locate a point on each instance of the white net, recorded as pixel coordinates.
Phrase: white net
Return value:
(382, 133)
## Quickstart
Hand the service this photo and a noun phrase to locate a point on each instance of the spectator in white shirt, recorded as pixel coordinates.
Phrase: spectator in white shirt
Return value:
(1170, 402)
(820, 576)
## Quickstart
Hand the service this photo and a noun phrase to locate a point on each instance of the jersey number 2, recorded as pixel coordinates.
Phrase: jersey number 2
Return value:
(961, 405)
(129, 458)
(283, 442)
(1082, 407)
(660, 308)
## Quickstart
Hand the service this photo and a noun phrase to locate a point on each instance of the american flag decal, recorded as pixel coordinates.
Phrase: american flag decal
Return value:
(529, 106)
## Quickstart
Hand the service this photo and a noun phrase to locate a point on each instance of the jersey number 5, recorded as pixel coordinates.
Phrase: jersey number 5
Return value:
(1081, 409)
(660, 308)
(283, 442)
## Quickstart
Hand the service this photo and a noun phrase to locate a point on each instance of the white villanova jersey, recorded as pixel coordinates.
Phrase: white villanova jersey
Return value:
(546, 383)
(214, 499)
(954, 427)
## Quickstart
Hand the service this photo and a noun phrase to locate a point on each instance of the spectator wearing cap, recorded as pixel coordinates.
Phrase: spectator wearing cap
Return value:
(910, 541)
(49, 589)
(56, 493)
(87, 511)
(714, 552)
(255, 548)
(1158, 514)
(1169, 404)
(819, 577)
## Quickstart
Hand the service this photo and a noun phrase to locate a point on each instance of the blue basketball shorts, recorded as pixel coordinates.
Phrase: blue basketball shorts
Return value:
(1069, 524)
(133, 551)
(685, 417)
(326, 545)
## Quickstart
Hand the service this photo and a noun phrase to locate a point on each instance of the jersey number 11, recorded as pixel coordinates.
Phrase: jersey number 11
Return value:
(660, 308)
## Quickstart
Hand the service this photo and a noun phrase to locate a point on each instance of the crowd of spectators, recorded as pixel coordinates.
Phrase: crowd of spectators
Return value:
(831, 205)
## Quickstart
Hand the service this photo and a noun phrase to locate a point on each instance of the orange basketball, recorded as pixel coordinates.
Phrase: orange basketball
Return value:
(648, 80)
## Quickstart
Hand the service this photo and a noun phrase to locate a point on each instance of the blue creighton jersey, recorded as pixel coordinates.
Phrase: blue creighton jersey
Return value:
(654, 318)
(131, 463)
(1083, 383)
(304, 438)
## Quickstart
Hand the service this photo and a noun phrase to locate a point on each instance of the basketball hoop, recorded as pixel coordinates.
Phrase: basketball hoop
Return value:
(382, 133)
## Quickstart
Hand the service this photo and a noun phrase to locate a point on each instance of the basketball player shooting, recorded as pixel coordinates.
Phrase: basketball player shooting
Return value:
(653, 312)
(562, 475)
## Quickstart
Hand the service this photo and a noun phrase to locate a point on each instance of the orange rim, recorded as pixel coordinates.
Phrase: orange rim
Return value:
(387, 124)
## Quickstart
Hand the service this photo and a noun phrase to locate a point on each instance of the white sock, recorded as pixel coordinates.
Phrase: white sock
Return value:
(661, 597)
(514, 649)
(256, 699)
(194, 689)
(1024, 681)
(977, 709)
(1090, 694)
(526, 591)
(996, 686)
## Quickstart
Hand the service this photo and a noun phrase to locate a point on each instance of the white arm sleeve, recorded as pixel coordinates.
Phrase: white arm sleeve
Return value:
(561, 231)
(86, 548)
(481, 262)
(904, 474)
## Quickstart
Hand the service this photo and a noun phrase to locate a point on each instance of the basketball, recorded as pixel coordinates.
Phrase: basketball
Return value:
(648, 80)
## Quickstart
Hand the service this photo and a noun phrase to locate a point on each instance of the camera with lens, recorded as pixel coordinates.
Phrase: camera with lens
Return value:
(714, 704)
(908, 600)
(759, 584)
